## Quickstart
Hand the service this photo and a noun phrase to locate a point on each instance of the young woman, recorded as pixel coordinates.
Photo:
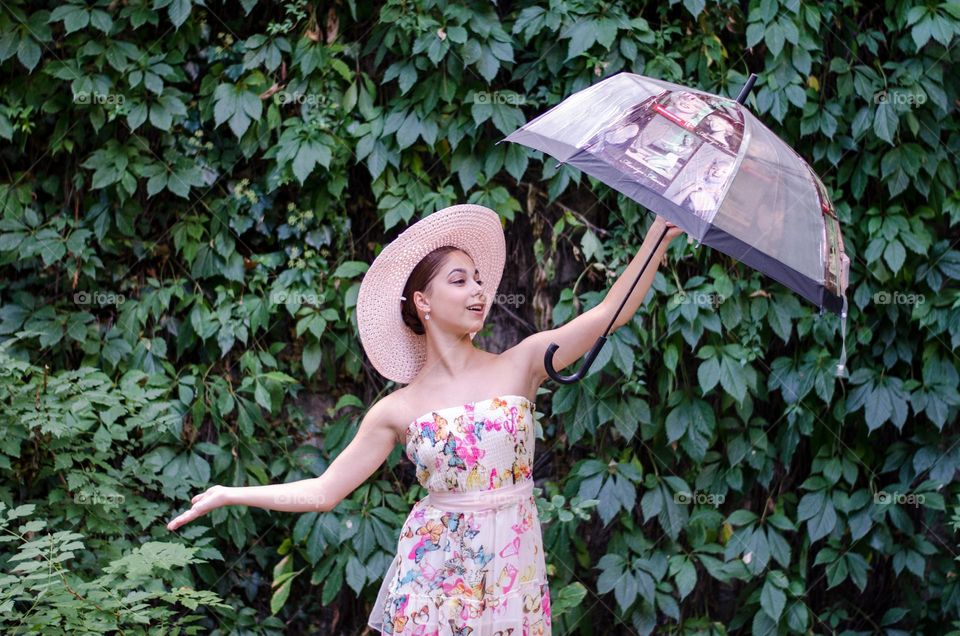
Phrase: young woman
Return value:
(470, 554)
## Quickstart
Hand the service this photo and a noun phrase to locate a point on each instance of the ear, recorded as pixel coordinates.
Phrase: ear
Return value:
(418, 299)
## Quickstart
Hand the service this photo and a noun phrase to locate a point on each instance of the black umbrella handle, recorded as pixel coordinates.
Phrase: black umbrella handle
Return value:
(592, 354)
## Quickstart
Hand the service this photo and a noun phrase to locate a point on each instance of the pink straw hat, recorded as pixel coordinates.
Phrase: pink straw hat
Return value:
(394, 350)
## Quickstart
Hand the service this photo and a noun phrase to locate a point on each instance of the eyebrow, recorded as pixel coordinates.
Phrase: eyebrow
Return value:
(460, 269)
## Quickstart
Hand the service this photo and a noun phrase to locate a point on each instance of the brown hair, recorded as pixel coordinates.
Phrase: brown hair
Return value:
(419, 280)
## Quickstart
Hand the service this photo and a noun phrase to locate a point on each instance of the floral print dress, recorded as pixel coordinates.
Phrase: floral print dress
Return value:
(470, 556)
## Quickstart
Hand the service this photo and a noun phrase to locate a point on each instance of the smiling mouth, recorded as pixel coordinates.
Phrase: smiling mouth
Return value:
(476, 310)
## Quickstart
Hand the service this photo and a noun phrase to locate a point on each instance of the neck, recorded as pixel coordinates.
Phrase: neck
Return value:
(448, 356)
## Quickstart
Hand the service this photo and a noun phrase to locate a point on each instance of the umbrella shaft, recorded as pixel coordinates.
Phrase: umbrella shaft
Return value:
(653, 251)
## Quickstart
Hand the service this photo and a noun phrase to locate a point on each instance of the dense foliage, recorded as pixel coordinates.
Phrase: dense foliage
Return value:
(190, 197)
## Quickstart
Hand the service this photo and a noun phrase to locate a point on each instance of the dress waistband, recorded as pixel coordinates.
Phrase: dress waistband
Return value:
(480, 500)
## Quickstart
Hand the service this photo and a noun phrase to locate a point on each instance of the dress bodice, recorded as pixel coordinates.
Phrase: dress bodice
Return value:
(476, 446)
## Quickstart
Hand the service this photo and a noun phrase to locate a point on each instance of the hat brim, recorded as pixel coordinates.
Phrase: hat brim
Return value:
(394, 350)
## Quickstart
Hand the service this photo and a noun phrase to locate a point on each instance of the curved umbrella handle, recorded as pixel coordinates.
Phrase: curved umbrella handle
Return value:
(582, 371)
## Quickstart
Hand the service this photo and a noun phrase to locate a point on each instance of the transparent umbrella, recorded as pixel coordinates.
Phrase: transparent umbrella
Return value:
(706, 164)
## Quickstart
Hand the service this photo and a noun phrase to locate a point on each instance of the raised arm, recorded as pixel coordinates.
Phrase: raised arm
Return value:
(365, 453)
(577, 336)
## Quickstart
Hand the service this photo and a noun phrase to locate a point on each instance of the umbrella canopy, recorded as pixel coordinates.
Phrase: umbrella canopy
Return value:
(707, 165)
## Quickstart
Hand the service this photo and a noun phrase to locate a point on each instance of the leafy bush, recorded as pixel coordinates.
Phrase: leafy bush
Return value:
(41, 595)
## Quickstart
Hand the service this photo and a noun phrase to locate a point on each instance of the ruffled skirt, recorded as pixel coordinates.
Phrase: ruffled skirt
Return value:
(468, 564)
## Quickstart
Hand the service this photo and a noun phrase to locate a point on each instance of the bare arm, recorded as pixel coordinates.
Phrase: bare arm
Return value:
(365, 453)
(577, 336)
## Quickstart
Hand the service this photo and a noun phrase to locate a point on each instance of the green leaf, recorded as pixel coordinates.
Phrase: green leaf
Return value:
(235, 105)
(894, 255)
(28, 53)
(755, 31)
(409, 131)
(592, 247)
(774, 38)
(772, 600)
(309, 155)
(685, 577)
(262, 396)
(488, 64)
(695, 7)
(820, 514)
(582, 36)
(885, 121)
(708, 374)
(356, 574)
(732, 378)
(179, 11)
(741, 517)
(570, 596)
(408, 77)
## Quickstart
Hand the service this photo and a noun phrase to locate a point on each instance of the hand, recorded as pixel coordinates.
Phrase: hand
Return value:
(672, 230)
(211, 499)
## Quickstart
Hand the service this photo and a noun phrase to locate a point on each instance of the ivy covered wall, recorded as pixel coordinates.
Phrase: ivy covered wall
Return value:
(190, 197)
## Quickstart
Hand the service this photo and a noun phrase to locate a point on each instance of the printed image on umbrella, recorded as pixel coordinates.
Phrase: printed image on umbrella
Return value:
(681, 145)
(709, 166)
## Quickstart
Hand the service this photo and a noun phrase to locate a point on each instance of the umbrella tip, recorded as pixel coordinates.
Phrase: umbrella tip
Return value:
(747, 87)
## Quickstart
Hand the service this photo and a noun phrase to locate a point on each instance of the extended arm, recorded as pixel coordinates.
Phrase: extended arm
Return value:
(577, 336)
(365, 453)
(619, 288)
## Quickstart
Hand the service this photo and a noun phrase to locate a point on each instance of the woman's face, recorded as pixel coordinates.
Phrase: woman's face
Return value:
(688, 103)
(456, 286)
(718, 124)
(720, 171)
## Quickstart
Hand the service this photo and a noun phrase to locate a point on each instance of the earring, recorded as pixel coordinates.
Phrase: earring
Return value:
(427, 315)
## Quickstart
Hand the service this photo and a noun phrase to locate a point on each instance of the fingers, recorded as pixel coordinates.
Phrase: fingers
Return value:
(186, 517)
(197, 508)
